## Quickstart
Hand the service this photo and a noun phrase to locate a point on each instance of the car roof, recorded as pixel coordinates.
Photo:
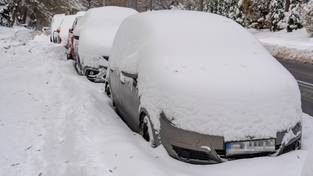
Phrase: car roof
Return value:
(102, 15)
(182, 35)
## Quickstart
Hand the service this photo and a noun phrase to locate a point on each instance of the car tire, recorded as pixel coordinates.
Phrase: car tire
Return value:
(147, 131)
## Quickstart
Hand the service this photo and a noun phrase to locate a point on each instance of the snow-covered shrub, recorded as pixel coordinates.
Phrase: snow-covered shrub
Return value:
(294, 20)
(228, 8)
(276, 16)
(256, 12)
(179, 6)
(308, 18)
(5, 13)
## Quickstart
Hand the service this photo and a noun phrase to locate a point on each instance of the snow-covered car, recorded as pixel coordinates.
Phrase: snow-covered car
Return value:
(71, 41)
(203, 87)
(96, 34)
(55, 28)
(65, 27)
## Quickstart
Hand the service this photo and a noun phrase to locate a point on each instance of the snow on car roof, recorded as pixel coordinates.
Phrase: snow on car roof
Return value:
(56, 21)
(98, 28)
(207, 73)
(65, 25)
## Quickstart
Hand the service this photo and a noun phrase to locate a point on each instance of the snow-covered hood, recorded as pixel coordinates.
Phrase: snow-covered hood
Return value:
(212, 79)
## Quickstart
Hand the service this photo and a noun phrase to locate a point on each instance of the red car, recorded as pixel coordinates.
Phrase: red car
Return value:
(70, 54)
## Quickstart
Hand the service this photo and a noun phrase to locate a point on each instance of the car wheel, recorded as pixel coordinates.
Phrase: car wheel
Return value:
(146, 131)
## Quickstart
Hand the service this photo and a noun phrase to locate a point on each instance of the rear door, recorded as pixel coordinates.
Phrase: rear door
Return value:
(130, 97)
(125, 94)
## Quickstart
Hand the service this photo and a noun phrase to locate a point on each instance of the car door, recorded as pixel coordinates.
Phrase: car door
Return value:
(129, 99)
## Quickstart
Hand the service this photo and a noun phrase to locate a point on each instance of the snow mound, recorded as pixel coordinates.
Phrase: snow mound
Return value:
(288, 46)
(97, 30)
(216, 80)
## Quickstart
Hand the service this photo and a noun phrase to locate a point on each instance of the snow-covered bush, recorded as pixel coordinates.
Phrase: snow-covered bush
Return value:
(294, 20)
(308, 18)
(276, 16)
(5, 13)
(228, 8)
(255, 13)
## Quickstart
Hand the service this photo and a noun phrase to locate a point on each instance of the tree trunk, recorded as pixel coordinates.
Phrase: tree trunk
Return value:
(201, 5)
(287, 5)
(151, 5)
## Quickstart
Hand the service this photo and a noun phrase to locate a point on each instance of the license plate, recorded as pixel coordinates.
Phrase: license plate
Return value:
(250, 147)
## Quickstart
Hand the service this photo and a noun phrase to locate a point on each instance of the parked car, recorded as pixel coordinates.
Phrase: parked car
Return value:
(55, 28)
(71, 41)
(95, 34)
(65, 27)
(203, 87)
(61, 25)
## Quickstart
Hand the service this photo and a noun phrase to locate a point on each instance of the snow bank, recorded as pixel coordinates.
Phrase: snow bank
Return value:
(289, 46)
(307, 144)
(214, 80)
(97, 31)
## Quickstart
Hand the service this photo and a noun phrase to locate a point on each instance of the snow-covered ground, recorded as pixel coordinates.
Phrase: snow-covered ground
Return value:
(297, 45)
(56, 123)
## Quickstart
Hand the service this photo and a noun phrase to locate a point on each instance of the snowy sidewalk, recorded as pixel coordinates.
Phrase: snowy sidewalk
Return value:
(56, 123)
(297, 45)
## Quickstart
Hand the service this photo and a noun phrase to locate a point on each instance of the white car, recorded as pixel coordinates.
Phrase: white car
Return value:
(55, 28)
(202, 86)
(96, 33)
(61, 24)
(67, 24)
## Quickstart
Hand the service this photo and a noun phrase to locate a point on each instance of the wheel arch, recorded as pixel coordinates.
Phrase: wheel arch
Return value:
(142, 113)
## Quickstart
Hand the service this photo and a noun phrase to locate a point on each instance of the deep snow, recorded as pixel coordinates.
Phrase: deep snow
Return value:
(55, 123)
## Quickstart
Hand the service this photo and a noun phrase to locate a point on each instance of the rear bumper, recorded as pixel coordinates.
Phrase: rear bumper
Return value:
(198, 148)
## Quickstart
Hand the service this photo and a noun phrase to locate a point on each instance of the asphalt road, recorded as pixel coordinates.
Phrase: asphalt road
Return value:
(304, 74)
